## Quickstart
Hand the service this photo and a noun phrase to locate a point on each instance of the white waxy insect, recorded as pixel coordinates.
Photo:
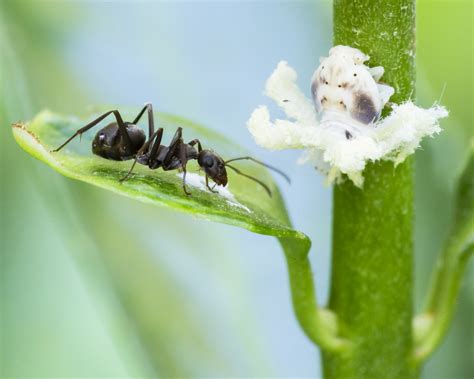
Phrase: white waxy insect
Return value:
(344, 84)
(341, 129)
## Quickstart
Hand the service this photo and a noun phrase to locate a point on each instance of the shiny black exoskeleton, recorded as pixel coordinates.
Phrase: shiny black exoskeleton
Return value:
(120, 141)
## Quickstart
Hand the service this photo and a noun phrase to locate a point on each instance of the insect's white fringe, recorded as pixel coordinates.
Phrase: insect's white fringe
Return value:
(324, 138)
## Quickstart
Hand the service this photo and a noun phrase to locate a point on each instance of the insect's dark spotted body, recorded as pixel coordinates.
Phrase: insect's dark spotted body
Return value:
(345, 86)
(364, 110)
(121, 141)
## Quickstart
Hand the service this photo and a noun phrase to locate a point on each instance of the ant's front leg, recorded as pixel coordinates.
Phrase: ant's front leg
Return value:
(209, 187)
(184, 182)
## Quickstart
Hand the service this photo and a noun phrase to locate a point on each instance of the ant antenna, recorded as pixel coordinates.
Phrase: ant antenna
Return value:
(251, 178)
(263, 164)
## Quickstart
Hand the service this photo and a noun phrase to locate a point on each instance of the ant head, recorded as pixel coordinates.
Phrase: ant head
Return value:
(214, 166)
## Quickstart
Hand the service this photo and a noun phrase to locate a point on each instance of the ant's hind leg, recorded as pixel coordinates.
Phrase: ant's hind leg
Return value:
(120, 123)
(82, 130)
(151, 123)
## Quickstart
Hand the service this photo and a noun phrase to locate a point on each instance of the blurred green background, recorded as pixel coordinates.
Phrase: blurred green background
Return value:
(96, 285)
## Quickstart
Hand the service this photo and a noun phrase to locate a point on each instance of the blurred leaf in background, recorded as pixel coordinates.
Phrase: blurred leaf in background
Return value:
(444, 73)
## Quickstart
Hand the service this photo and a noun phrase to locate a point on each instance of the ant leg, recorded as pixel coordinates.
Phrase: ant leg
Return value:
(175, 144)
(121, 124)
(155, 136)
(123, 130)
(156, 144)
(129, 171)
(82, 130)
(184, 183)
(194, 142)
(183, 159)
(207, 185)
(151, 124)
(169, 164)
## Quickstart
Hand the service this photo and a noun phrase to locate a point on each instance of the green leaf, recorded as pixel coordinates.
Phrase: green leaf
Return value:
(246, 205)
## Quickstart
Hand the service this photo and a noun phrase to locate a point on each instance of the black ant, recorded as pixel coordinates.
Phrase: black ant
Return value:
(121, 141)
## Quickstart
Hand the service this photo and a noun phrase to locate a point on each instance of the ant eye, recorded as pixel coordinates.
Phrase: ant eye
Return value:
(101, 137)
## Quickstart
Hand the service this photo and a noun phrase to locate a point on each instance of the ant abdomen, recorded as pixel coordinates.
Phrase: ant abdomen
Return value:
(109, 143)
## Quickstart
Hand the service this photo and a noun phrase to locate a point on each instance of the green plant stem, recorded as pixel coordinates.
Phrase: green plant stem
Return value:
(320, 325)
(432, 324)
(372, 283)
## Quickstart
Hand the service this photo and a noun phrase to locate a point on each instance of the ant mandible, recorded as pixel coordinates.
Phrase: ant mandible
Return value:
(121, 141)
